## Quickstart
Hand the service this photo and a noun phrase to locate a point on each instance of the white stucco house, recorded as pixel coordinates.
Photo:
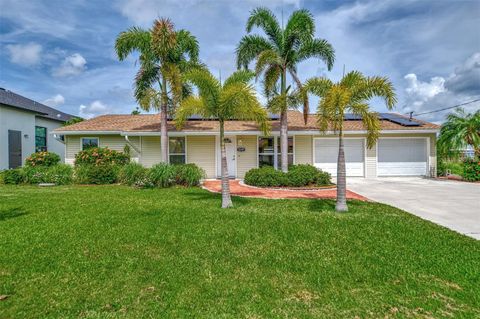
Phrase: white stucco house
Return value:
(406, 147)
(26, 127)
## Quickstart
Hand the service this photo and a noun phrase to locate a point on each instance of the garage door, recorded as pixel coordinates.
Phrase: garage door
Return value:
(326, 154)
(397, 157)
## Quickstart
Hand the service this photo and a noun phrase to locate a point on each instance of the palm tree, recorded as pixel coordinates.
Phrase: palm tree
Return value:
(235, 99)
(461, 129)
(164, 54)
(350, 95)
(280, 52)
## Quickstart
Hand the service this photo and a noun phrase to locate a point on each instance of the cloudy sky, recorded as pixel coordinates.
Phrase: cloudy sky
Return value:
(61, 52)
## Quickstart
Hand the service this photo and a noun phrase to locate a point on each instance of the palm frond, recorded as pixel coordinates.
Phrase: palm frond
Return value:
(375, 86)
(134, 39)
(192, 105)
(208, 86)
(300, 25)
(249, 48)
(267, 58)
(164, 37)
(145, 79)
(188, 44)
(240, 76)
(317, 86)
(316, 48)
(270, 80)
(266, 20)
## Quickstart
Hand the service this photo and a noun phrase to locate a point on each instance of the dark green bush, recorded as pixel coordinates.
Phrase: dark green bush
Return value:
(101, 156)
(188, 174)
(298, 176)
(162, 175)
(471, 169)
(265, 176)
(12, 176)
(60, 174)
(96, 174)
(42, 159)
(132, 174)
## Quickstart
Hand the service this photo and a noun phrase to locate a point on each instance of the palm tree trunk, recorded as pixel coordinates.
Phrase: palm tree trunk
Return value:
(284, 126)
(341, 178)
(163, 123)
(226, 198)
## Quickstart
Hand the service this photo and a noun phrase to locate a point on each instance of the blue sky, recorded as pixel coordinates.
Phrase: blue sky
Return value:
(61, 52)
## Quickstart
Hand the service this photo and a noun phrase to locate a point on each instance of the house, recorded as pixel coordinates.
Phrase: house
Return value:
(25, 127)
(405, 147)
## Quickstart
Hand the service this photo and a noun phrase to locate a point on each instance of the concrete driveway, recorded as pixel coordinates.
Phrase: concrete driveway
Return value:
(455, 205)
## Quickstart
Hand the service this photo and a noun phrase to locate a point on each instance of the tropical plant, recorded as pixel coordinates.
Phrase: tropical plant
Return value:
(73, 120)
(279, 53)
(42, 159)
(162, 175)
(101, 156)
(235, 99)
(164, 54)
(188, 174)
(350, 95)
(461, 129)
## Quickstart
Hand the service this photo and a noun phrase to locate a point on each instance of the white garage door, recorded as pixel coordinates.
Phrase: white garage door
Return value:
(397, 157)
(326, 154)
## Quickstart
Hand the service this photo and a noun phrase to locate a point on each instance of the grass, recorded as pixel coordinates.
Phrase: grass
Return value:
(118, 252)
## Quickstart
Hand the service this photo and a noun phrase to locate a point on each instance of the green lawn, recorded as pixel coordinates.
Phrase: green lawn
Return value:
(118, 252)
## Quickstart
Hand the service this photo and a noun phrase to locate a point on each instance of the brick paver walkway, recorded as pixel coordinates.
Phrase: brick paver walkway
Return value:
(248, 191)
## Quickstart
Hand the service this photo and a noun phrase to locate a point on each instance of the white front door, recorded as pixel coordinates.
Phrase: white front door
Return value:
(231, 149)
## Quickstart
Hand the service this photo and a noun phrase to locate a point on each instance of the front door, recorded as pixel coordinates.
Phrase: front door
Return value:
(230, 146)
(14, 149)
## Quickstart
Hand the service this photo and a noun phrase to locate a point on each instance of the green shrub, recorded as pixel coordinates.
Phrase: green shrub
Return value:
(471, 169)
(42, 159)
(96, 174)
(12, 176)
(298, 176)
(265, 176)
(162, 175)
(188, 174)
(60, 174)
(132, 174)
(101, 156)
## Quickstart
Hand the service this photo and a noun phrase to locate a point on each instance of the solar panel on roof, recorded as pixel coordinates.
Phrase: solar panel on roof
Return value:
(398, 119)
(352, 117)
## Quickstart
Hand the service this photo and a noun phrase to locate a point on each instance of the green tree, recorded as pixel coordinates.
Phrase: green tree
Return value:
(164, 54)
(461, 129)
(235, 99)
(350, 95)
(73, 120)
(279, 53)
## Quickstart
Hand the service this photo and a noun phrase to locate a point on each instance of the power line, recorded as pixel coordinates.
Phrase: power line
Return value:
(445, 108)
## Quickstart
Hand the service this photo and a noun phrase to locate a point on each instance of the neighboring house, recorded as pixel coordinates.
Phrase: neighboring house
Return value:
(25, 127)
(404, 148)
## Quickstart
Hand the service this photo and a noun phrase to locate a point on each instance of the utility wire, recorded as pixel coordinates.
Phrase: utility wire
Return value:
(446, 108)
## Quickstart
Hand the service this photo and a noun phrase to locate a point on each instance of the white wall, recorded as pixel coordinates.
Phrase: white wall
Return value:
(24, 121)
(53, 145)
(15, 119)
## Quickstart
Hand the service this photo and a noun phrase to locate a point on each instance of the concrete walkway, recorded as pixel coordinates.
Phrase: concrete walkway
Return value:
(240, 189)
(452, 204)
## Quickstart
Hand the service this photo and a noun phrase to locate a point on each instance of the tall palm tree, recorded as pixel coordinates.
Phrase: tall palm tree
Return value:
(279, 53)
(461, 129)
(164, 54)
(235, 99)
(350, 95)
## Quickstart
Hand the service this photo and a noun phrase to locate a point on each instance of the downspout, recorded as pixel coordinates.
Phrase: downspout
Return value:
(131, 145)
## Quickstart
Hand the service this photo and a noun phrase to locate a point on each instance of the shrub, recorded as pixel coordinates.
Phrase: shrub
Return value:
(12, 176)
(188, 174)
(297, 176)
(132, 174)
(471, 169)
(96, 174)
(42, 159)
(101, 156)
(265, 176)
(162, 175)
(60, 174)
(34, 175)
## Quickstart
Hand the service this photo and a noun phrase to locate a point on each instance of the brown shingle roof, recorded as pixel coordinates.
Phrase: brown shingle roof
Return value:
(151, 123)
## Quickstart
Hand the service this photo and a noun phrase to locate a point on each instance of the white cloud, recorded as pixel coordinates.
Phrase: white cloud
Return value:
(25, 54)
(419, 92)
(95, 108)
(55, 100)
(71, 65)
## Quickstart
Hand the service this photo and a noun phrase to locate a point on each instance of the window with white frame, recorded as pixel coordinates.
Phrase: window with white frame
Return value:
(269, 153)
(89, 142)
(176, 150)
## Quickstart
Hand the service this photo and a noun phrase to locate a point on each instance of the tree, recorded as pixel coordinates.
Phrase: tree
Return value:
(280, 52)
(136, 111)
(164, 55)
(235, 99)
(73, 120)
(350, 95)
(461, 129)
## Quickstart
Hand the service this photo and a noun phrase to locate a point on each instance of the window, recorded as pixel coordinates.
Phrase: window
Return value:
(40, 139)
(176, 150)
(269, 151)
(89, 142)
